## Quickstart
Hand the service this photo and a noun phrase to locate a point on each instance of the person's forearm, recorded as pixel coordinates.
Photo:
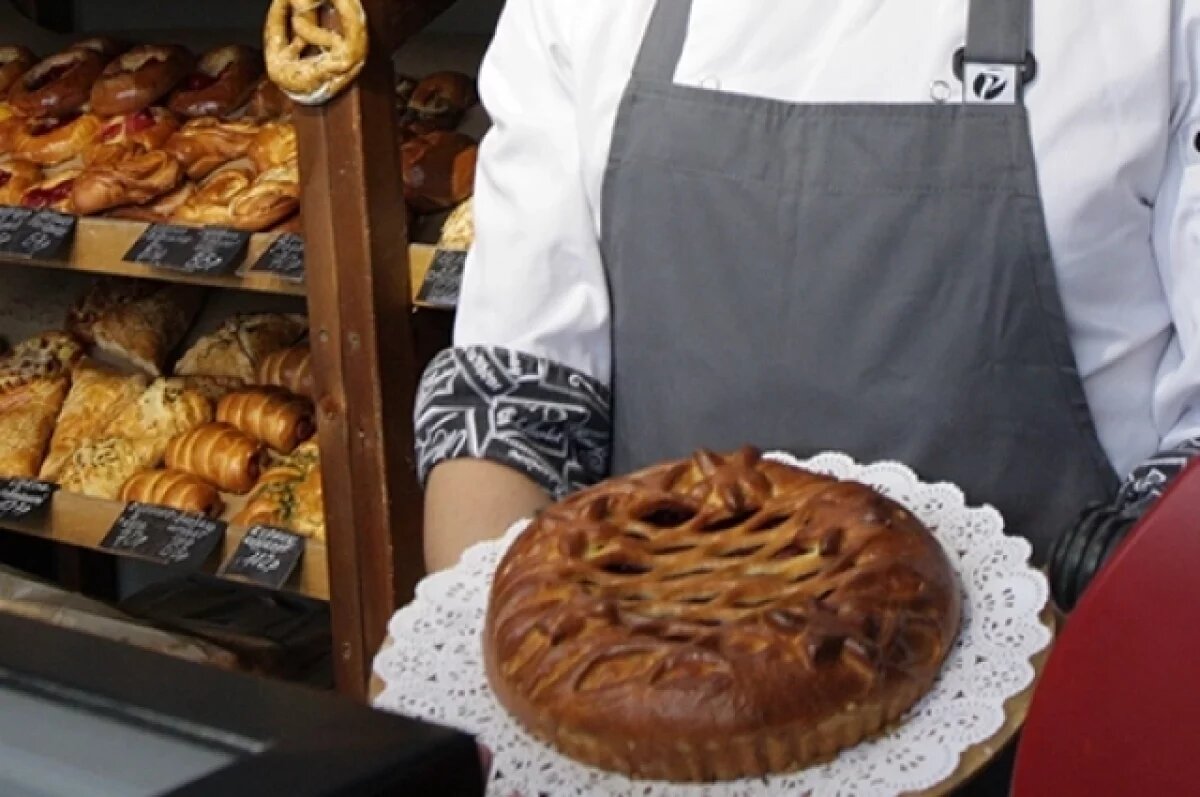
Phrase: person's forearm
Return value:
(470, 500)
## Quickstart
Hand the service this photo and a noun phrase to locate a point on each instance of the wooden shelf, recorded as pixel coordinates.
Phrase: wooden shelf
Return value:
(100, 245)
(83, 522)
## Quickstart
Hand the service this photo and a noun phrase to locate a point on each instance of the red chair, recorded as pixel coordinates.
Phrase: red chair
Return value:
(1117, 711)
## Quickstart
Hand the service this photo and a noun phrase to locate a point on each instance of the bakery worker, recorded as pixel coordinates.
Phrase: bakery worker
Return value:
(960, 234)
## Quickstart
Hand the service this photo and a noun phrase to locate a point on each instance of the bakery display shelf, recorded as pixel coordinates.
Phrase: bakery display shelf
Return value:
(101, 244)
(83, 522)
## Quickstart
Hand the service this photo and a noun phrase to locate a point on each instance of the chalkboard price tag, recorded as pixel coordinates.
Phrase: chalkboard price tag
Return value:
(284, 258)
(36, 234)
(164, 535)
(20, 498)
(205, 251)
(266, 556)
(443, 280)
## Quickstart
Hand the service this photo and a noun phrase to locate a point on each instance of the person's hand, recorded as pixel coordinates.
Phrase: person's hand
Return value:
(1080, 553)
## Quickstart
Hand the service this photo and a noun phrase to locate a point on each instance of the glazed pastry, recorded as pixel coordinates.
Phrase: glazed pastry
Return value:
(136, 322)
(310, 62)
(441, 99)
(266, 104)
(290, 369)
(135, 179)
(439, 170)
(241, 344)
(308, 517)
(15, 61)
(210, 202)
(272, 197)
(53, 193)
(205, 144)
(141, 131)
(139, 78)
(97, 396)
(458, 231)
(16, 177)
(175, 489)
(223, 80)
(105, 47)
(10, 128)
(49, 141)
(220, 454)
(274, 146)
(57, 86)
(50, 354)
(27, 415)
(718, 618)
(270, 415)
(159, 210)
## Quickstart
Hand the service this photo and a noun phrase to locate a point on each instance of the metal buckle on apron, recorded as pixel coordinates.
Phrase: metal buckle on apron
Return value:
(993, 84)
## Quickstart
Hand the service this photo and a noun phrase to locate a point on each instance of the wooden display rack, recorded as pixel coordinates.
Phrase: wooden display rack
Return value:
(369, 344)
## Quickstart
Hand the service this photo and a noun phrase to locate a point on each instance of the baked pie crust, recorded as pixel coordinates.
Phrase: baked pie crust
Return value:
(718, 617)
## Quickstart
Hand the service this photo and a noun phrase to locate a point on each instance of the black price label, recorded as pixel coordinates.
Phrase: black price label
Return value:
(191, 250)
(284, 258)
(164, 535)
(443, 280)
(20, 498)
(266, 555)
(36, 234)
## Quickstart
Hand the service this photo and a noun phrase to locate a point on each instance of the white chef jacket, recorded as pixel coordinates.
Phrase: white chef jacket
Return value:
(1114, 113)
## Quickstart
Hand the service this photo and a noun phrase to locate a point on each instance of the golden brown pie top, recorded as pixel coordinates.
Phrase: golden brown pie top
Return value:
(654, 623)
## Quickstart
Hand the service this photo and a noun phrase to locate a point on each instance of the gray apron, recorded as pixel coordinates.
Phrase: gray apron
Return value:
(874, 279)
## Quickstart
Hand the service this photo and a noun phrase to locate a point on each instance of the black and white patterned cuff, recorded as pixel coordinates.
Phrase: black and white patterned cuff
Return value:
(1148, 481)
(547, 420)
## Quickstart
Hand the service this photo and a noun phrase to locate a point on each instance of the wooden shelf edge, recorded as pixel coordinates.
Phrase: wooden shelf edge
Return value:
(83, 522)
(100, 245)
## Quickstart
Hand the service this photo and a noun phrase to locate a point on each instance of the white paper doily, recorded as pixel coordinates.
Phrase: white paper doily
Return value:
(434, 668)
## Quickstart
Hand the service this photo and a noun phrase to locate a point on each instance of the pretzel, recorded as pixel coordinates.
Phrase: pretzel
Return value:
(293, 27)
(718, 617)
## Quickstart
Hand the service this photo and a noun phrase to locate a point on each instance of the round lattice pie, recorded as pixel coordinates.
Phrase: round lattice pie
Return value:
(717, 618)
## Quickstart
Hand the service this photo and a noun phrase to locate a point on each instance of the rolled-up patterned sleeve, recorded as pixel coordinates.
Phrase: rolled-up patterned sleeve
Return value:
(526, 383)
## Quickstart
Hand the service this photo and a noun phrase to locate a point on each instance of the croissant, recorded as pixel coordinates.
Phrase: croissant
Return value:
(269, 415)
(218, 453)
(27, 416)
(175, 489)
(288, 368)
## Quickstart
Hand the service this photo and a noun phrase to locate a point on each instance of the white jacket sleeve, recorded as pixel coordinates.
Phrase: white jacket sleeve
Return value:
(526, 383)
(534, 280)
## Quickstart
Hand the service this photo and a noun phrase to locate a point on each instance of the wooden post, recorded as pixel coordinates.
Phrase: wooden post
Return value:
(363, 352)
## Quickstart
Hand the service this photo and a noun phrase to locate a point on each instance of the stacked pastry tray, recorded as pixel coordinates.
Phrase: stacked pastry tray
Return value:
(29, 305)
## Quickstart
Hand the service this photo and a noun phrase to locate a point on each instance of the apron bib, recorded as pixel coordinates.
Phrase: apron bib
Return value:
(874, 279)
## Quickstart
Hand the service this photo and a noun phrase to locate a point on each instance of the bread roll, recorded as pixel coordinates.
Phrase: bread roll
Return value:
(220, 454)
(175, 489)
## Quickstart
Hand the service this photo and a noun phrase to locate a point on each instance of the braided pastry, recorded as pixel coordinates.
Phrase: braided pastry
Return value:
(274, 146)
(272, 197)
(54, 192)
(290, 369)
(218, 453)
(50, 141)
(130, 133)
(132, 180)
(293, 32)
(175, 489)
(203, 145)
(717, 618)
(269, 415)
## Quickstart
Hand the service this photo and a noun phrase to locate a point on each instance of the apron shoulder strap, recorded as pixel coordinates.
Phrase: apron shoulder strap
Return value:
(998, 31)
(662, 44)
